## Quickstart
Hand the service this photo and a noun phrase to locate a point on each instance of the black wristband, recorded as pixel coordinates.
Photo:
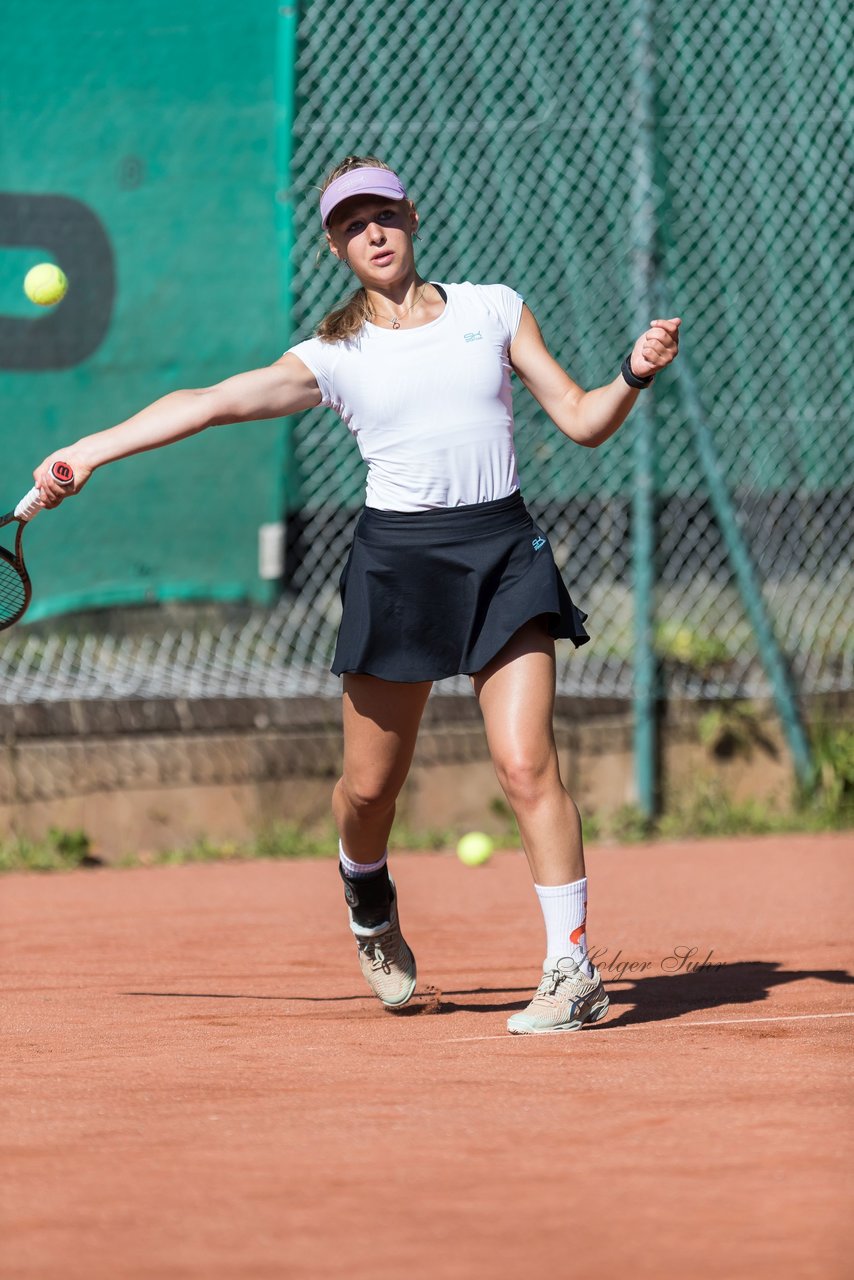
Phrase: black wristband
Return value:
(632, 378)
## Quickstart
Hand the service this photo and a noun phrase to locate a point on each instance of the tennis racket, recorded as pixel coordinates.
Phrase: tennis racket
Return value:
(15, 587)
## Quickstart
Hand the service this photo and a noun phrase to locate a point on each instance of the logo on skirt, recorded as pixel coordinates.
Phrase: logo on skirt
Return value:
(537, 543)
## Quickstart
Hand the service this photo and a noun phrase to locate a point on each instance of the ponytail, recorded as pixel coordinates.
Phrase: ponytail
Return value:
(345, 321)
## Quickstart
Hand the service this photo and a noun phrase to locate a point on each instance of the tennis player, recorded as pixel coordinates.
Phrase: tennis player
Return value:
(447, 573)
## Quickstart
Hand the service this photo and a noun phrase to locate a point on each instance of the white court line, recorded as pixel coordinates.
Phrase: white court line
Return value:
(785, 1017)
(642, 1026)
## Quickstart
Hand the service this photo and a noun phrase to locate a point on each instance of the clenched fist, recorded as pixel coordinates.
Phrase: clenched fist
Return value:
(655, 349)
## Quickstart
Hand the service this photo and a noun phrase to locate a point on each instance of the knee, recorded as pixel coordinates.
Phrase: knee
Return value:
(526, 781)
(366, 795)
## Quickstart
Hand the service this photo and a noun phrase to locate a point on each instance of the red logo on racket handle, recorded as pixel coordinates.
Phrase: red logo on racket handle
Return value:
(62, 472)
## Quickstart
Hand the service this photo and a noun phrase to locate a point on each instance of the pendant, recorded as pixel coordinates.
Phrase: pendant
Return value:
(395, 324)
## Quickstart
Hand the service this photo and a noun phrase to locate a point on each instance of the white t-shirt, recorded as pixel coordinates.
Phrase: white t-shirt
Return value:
(431, 407)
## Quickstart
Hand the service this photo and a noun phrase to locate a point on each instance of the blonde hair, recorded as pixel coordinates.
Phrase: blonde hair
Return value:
(345, 321)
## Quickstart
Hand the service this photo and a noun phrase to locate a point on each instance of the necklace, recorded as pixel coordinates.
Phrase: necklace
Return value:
(394, 321)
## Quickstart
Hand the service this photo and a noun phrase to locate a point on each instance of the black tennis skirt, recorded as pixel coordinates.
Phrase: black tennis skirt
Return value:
(431, 594)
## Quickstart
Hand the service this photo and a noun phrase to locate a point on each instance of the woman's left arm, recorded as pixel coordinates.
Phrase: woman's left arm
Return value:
(588, 417)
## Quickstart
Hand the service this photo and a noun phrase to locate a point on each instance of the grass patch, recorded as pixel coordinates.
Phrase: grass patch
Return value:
(429, 839)
(710, 811)
(833, 792)
(282, 840)
(57, 851)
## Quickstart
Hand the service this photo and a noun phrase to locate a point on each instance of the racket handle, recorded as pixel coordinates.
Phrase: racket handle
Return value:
(31, 503)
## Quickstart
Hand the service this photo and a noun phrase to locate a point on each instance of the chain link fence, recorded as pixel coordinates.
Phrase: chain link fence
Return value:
(518, 131)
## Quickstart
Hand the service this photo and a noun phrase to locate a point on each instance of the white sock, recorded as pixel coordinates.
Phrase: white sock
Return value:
(564, 909)
(361, 868)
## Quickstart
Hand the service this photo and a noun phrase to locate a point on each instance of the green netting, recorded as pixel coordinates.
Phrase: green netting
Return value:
(518, 131)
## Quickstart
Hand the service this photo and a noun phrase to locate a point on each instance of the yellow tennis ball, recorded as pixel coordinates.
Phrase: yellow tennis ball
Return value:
(475, 848)
(45, 284)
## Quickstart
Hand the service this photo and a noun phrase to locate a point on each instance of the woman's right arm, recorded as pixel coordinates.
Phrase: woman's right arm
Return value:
(288, 386)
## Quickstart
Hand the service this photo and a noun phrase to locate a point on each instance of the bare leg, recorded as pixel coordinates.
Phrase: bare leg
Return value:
(516, 692)
(381, 719)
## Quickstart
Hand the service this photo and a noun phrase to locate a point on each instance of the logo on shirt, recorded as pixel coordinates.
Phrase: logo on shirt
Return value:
(537, 543)
(473, 337)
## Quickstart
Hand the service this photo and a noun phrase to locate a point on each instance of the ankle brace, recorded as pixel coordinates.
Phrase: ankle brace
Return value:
(368, 897)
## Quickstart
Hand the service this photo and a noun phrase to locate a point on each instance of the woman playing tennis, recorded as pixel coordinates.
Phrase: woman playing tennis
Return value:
(447, 573)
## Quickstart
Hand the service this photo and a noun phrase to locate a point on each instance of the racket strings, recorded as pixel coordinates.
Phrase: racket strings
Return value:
(13, 591)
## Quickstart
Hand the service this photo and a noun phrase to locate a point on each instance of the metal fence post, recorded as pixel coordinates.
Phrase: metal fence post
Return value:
(286, 91)
(643, 502)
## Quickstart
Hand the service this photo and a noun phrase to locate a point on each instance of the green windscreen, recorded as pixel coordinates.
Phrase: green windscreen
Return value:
(139, 153)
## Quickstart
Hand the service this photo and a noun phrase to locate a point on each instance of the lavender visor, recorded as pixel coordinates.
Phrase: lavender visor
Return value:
(360, 182)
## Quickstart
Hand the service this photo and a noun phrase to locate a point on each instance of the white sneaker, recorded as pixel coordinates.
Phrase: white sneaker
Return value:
(564, 1001)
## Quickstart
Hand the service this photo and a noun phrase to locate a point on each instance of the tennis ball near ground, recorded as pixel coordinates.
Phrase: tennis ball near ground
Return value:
(45, 284)
(475, 848)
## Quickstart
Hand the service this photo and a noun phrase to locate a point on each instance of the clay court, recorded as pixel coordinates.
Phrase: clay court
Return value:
(200, 1086)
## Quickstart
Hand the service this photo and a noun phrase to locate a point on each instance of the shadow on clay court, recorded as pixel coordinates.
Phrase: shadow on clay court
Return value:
(661, 996)
(442, 1003)
(654, 998)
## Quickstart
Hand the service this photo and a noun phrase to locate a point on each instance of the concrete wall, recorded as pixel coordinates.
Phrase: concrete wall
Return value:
(139, 776)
